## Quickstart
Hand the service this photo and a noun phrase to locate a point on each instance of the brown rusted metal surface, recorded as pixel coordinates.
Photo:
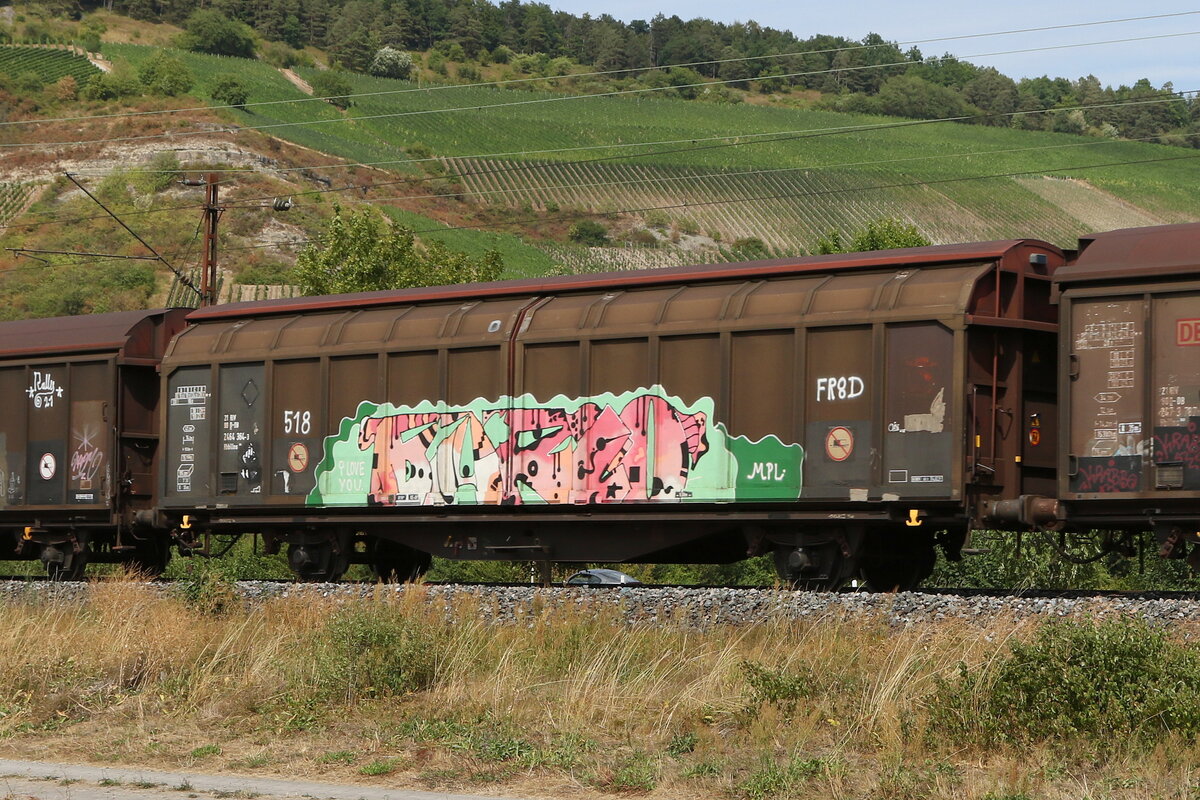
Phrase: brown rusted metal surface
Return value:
(823, 388)
(1135, 254)
(1131, 305)
(79, 431)
(892, 259)
(138, 334)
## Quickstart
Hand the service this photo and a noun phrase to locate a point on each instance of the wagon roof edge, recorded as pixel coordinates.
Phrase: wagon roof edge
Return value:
(908, 257)
(1132, 254)
(85, 333)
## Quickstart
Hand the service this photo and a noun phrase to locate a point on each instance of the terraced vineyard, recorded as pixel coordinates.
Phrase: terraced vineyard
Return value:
(48, 63)
(14, 197)
(785, 176)
(789, 209)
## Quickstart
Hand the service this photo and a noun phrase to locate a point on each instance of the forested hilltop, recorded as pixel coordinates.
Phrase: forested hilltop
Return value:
(464, 41)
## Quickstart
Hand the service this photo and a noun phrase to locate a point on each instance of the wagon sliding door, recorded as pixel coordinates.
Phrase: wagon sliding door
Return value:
(1108, 428)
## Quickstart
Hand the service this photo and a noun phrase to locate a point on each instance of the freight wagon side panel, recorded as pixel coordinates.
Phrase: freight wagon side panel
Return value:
(824, 389)
(1135, 395)
(1131, 379)
(56, 435)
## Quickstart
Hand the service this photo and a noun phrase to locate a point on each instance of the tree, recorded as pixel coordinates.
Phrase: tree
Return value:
(910, 96)
(391, 63)
(360, 252)
(885, 233)
(210, 31)
(994, 93)
(333, 86)
(165, 74)
(231, 91)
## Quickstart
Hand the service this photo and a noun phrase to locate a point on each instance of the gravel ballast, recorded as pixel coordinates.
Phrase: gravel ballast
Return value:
(688, 607)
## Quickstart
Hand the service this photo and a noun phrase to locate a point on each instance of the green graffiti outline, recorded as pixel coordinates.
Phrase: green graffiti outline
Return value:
(721, 464)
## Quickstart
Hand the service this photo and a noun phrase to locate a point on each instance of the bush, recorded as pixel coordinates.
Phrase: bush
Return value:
(231, 91)
(589, 232)
(1109, 681)
(750, 247)
(164, 74)
(112, 86)
(66, 88)
(374, 650)
(210, 31)
(158, 175)
(28, 83)
(502, 54)
(644, 238)
(391, 63)
(279, 54)
(333, 86)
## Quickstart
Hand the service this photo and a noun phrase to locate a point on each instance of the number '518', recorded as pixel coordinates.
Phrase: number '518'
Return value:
(297, 422)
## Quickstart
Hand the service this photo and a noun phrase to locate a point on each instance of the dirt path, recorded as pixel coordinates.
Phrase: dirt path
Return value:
(49, 781)
(299, 82)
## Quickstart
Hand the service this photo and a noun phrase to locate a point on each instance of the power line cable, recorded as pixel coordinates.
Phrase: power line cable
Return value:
(784, 137)
(730, 141)
(563, 98)
(758, 198)
(601, 73)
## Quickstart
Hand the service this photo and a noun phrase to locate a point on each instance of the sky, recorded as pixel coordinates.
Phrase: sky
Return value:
(1160, 60)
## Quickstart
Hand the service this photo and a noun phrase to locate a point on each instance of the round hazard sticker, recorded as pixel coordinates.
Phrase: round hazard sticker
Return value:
(297, 457)
(47, 466)
(839, 443)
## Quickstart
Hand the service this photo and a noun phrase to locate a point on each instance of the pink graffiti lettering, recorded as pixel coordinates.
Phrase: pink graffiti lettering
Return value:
(1106, 478)
(1177, 445)
(85, 464)
(597, 454)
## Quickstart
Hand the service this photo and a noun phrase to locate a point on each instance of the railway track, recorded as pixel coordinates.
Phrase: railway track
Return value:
(693, 607)
(930, 592)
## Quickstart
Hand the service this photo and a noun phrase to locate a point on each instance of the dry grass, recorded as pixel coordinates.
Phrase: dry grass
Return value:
(388, 692)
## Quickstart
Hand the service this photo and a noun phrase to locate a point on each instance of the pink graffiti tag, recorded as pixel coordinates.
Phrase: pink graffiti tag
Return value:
(87, 459)
(595, 454)
(1106, 478)
(1180, 445)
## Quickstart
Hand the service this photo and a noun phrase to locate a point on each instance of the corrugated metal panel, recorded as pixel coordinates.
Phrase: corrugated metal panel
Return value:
(81, 334)
(1135, 254)
(890, 259)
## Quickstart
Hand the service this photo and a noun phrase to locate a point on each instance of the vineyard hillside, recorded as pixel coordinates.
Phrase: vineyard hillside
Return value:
(483, 167)
(784, 176)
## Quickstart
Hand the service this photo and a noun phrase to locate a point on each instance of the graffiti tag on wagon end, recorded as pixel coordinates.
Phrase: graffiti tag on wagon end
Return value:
(1106, 476)
(637, 446)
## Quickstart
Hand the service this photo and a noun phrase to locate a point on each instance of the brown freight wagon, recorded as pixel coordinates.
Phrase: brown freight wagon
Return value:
(841, 412)
(1130, 304)
(79, 439)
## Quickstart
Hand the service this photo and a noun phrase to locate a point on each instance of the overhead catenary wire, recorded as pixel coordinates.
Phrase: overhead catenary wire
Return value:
(10, 146)
(625, 70)
(759, 198)
(732, 140)
(704, 203)
(782, 137)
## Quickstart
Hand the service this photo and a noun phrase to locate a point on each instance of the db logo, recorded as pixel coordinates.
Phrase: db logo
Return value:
(1187, 332)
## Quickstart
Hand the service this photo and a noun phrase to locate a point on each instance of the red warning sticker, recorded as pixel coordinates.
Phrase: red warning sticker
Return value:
(839, 443)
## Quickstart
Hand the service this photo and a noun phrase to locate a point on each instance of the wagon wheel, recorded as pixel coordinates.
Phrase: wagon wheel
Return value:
(397, 563)
(820, 568)
(898, 563)
(319, 560)
(149, 557)
(62, 561)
